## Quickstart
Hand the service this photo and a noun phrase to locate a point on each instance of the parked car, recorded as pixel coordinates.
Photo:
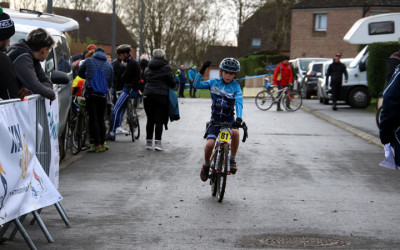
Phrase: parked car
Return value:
(354, 94)
(300, 66)
(310, 80)
(58, 61)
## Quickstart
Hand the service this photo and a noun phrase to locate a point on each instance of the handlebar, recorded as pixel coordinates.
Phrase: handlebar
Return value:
(228, 125)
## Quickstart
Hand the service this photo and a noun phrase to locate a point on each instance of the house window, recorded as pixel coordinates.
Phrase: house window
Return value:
(320, 22)
(256, 42)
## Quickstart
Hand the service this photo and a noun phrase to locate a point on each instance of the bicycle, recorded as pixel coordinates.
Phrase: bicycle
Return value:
(78, 131)
(132, 118)
(291, 99)
(379, 106)
(220, 167)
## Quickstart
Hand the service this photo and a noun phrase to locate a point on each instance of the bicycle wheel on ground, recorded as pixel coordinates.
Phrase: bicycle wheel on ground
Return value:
(378, 116)
(137, 128)
(264, 100)
(213, 178)
(292, 101)
(130, 119)
(222, 173)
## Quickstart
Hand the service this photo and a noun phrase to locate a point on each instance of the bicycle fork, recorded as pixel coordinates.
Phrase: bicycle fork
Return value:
(219, 159)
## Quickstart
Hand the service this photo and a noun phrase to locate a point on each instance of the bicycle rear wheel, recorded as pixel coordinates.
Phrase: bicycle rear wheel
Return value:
(137, 127)
(264, 100)
(292, 101)
(378, 116)
(222, 173)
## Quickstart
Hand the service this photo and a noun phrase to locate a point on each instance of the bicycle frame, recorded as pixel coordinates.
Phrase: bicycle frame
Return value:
(224, 137)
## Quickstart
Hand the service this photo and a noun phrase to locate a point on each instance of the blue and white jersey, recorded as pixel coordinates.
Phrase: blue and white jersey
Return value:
(225, 97)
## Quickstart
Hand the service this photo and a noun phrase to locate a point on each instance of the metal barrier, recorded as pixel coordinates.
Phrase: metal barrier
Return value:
(43, 154)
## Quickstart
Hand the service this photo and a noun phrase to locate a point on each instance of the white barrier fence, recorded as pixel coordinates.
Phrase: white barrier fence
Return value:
(29, 157)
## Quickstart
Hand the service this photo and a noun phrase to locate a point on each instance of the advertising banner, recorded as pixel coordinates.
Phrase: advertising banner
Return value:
(24, 186)
(53, 121)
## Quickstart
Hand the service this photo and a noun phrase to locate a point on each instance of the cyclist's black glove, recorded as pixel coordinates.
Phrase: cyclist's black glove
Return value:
(204, 67)
(237, 123)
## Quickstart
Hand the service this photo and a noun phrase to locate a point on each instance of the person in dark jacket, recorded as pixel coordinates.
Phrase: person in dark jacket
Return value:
(158, 79)
(389, 127)
(336, 71)
(182, 80)
(26, 56)
(391, 65)
(130, 79)
(9, 86)
(96, 103)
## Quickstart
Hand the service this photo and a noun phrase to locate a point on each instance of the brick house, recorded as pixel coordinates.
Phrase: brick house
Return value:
(97, 26)
(215, 54)
(318, 26)
(256, 34)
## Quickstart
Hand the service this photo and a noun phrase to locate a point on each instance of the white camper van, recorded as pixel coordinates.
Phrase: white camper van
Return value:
(378, 28)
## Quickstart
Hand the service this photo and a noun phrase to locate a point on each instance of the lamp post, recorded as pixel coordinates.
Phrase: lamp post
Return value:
(49, 6)
(141, 27)
(113, 32)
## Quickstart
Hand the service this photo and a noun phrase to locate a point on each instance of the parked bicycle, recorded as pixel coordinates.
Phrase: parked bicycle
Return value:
(220, 167)
(291, 99)
(132, 118)
(78, 132)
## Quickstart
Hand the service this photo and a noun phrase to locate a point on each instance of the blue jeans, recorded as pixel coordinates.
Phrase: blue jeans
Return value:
(120, 107)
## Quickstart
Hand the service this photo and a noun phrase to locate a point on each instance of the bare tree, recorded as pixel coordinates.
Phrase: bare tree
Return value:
(183, 28)
(37, 5)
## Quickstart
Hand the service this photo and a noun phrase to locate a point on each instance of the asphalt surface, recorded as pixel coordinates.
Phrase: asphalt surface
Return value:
(301, 179)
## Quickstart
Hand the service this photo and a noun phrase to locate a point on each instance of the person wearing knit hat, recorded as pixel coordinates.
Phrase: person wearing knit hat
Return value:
(9, 86)
(7, 29)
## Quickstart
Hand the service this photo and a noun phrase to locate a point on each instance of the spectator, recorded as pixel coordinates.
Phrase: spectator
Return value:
(130, 79)
(144, 62)
(158, 79)
(182, 80)
(26, 56)
(391, 64)
(9, 86)
(336, 71)
(192, 75)
(96, 102)
(283, 76)
(390, 115)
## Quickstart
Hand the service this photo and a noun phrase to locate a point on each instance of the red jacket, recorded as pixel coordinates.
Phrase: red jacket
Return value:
(286, 74)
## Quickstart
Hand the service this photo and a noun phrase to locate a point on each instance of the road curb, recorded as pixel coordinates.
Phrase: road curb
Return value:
(368, 137)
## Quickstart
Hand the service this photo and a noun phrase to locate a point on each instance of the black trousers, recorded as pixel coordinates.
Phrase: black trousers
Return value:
(181, 88)
(96, 108)
(192, 89)
(336, 86)
(156, 108)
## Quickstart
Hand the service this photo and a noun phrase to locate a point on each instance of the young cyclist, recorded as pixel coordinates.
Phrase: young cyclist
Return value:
(226, 96)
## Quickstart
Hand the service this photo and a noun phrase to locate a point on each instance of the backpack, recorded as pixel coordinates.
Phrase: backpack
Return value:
(98, 82)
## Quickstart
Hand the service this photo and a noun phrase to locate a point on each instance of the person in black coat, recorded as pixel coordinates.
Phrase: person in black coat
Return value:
(391, 65)
(336, 71)
(9, 87)
(389, 127)
(158, 79)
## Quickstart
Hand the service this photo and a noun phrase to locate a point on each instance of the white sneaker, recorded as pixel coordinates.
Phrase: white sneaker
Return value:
(149, 144)
(120, 130)
(158, 146)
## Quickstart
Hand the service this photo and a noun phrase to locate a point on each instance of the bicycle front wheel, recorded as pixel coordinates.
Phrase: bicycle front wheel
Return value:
(264, 100)
(222, 173)
(292, 101)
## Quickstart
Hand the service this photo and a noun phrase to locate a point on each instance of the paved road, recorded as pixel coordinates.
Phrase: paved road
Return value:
(299, 178)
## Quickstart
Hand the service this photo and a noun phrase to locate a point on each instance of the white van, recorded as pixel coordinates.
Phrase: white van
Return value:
(58, 61)
(378, 28)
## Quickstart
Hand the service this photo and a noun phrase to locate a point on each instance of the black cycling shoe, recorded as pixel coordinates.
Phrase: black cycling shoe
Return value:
(204, 173)
(233, 166)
